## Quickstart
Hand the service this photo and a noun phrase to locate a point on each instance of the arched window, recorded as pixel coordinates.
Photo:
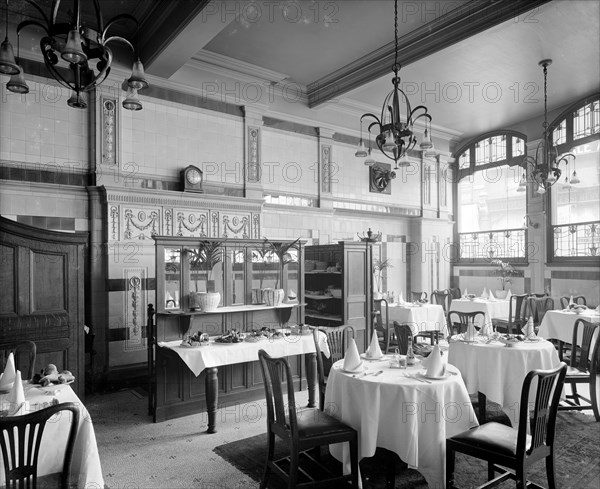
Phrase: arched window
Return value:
(489, 209)
(575, 198)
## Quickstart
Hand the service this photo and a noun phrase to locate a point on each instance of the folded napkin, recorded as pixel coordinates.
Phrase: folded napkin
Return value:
(352, 358)
(400, 298)
(508, 295)
(571, 303)
(465, 293)
(484, 294)
(16, 397)
(528, 330)
(471, 332)
(374, 350)
(491, 297)
(8, 377)
(436, 367)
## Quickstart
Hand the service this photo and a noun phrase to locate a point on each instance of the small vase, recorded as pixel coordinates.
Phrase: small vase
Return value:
(501, 294)
(257, 296)
(209, 301)
(273, 297)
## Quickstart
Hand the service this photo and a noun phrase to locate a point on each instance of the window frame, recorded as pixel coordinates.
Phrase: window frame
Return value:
(565, 147)
(509, 161)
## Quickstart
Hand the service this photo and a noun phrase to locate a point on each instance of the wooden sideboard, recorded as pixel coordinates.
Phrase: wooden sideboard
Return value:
(174, 390)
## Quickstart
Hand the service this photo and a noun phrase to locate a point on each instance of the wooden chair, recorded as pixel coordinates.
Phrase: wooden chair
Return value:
(381, 324)
(583, 368)
(403, 333)
(577, 299)
(24, 353)
(337, 340)
(512, 451)
(443, 298)
(20, 439)
(538, 306)
(313, 428)
(455, 292)
(517, 316)
(418, 296)
(460, 321)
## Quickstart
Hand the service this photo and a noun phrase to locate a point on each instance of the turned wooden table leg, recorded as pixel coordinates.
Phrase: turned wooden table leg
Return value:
(211, 392)
(311, 377)
(482, 401)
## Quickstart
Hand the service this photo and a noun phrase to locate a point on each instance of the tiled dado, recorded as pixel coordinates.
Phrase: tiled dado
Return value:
(139, 217)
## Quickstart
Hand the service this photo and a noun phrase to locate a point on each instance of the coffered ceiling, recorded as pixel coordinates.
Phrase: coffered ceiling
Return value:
(474, 63)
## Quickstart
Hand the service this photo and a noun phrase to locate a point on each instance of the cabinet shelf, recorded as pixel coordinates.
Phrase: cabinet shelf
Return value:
(320, 297)
(329, 317)
(322, 272)
(232, 309)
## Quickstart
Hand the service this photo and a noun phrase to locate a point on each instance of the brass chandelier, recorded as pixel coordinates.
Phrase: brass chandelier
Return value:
(394, 135)
(85, 50)
(545, 167)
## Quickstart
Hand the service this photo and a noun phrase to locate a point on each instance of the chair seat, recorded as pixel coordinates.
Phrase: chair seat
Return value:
(492, 436)
(575, 372)
(314, 422)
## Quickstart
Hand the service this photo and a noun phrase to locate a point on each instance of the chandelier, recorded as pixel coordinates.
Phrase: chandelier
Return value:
(84, 49)
(394, 135)
(545, 167)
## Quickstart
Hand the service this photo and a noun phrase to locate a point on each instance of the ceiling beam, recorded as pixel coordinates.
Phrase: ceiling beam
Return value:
(458, 24)
(176, 30)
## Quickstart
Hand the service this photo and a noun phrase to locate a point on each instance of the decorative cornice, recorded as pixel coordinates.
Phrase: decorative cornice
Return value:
(213, 202)
(458, 24)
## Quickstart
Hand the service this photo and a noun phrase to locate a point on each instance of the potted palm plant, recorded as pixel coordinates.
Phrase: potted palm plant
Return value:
(379, 266)
(505, 271)
(204, 259)
(274, 297)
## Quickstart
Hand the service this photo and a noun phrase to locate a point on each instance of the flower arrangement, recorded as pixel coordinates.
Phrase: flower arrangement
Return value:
(282, 251)
(506, 271)
(205, 257)
(379, 266)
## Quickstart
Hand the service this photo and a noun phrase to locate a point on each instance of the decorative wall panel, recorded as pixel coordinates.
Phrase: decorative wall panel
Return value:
(326, 168)
(108, 125)
(235, 225)
(134, 307)
(191, 223)
(253, 154)
(139, 222)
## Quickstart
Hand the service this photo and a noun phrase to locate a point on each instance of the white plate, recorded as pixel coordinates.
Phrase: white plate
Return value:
(364, 355)
(359, 370)
(533, 340)
(445, 376)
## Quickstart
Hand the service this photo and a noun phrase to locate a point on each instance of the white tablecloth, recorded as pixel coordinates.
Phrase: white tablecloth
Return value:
(85, 466)
(492, 309)
(428, 317)
(559, 325)
(409, 417)
(499, 371)
(217, 354)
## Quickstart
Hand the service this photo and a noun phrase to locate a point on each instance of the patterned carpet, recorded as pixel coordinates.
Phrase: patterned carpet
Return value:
(137, 453)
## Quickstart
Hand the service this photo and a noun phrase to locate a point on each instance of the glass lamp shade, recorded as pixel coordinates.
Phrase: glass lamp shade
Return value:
(390, 143)
(8, 65)
(76, 101)
(574, 178)
(17, 83)
(426, 143)
(522, 184)
(73, 52)
(370, 161)
(131, 102)
(551, 178)
(361, 151)
(138, 78)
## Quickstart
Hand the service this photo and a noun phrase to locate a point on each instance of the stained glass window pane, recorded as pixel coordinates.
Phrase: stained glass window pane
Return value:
(518, 146)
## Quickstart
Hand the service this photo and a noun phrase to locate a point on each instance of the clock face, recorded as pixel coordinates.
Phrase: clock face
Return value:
(193, 176)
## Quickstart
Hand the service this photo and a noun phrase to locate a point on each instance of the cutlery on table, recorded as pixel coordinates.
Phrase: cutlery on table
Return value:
(417, 378)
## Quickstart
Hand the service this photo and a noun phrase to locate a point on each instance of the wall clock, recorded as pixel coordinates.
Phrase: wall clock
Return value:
(192, 179)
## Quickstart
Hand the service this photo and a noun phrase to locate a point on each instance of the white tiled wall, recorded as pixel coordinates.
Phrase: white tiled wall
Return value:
(164, 138)
(40, 128)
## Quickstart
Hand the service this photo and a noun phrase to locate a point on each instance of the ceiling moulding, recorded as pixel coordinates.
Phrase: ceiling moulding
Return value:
(458, 24)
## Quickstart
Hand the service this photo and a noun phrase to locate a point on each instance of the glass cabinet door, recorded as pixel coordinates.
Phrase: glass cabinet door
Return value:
(172, 278)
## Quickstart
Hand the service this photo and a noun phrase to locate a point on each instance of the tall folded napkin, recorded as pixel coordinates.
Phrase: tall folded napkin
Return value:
(8, 377)
(465, 293)
(528, 330)
(436, 367)
(508, 295)
(491, 296)
(571, 303)
(352, 359)
(471, 332)
(484, 294)
(374, 350)
(16, 397)
(400, 298)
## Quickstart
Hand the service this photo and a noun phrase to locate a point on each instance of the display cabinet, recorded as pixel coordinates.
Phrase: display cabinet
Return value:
(338, 286)
(242, 276)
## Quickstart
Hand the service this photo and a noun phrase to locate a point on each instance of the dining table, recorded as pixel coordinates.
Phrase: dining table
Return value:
(420, 317)
(401, 410)
(208, 357)
(497, 371)
(86, 470)
(492, 309)
(558, 324)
